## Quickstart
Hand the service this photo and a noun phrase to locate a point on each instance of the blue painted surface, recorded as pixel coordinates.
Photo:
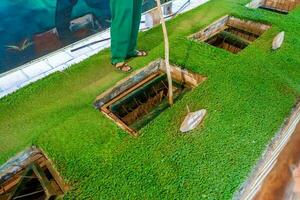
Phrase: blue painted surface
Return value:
(24, 25)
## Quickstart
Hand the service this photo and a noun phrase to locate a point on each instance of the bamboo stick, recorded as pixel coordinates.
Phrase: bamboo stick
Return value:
(167, 53)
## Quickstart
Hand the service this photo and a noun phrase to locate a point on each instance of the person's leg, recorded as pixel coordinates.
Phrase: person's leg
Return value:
(136, 20)
(63, 16)
(121, 26)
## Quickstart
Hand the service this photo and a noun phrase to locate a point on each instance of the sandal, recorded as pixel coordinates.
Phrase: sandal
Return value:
(123, 66)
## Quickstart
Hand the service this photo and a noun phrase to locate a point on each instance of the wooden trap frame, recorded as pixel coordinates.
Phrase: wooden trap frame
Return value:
(281, 6)
(139, 98)
(231, 33)
(30, 175)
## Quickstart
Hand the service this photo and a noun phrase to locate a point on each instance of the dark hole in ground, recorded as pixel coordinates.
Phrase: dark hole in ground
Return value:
(139, 98)
(228, 41)
(145, 103)
(31, 188)
(30, 176)
(231, 34)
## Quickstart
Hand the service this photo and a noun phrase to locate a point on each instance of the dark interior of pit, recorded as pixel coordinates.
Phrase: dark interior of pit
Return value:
(34, 182)
(233, 39)
(30, 187)
(280, 6)
(146, 102)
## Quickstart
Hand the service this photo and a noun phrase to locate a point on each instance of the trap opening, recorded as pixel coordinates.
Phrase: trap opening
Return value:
(138, 99)
(231, 33)
(279, 6)
(30, 175)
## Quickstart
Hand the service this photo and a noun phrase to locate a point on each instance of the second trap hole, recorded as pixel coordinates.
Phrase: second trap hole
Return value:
(231, 33)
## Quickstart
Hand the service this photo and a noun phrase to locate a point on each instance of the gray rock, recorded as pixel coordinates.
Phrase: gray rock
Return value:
(255, 4)
(278, 41)
(192, 120)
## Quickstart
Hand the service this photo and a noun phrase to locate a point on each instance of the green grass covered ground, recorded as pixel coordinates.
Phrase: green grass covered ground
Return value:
(247, 96)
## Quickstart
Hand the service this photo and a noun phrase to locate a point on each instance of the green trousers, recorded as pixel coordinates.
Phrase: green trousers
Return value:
(126, 17)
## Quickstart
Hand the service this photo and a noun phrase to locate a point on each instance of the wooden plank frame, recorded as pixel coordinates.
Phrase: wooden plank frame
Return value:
(36, 160)
(244, 25)
(131, 83)
(284, 6)
(111, 115)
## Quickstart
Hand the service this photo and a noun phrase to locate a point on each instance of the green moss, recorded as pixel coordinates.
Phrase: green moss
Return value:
(247, 97)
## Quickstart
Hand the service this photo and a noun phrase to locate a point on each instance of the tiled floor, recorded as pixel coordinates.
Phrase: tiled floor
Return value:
(64, 58)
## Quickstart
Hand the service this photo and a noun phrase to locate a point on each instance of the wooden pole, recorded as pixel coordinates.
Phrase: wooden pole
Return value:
(167, 53)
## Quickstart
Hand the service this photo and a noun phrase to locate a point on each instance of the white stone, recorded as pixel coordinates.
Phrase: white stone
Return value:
(13, 79)
(35, 79)
(52, 71)
(255, 4)
(76, 60)
(192, 120)
(91, 53)
(278, 40)
(59, 59)
(11, 90)
(62, 67)
(36, 69)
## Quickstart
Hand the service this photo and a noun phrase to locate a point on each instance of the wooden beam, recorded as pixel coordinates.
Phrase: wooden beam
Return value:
(123, 94)
(46, 184)
(58, 179)
(119, 122)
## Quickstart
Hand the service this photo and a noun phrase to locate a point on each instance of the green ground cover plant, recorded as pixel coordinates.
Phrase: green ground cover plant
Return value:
(247, 96)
